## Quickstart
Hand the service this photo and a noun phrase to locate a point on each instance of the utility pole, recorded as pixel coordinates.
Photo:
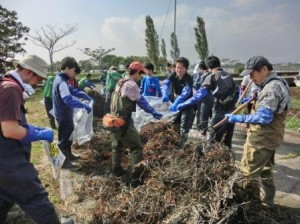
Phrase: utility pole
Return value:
(174, 50)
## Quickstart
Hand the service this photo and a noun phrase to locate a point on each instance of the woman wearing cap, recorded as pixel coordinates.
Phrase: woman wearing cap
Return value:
(19, 181)
(124, 100)
(267, 123)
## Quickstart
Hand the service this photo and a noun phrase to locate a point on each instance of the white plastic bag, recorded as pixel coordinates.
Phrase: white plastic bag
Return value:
(56, 158)
(141, 118)
(83, 125)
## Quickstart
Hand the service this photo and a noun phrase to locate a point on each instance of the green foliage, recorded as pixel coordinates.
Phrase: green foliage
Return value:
(11, 34)
(292, 122)
(152, 44)
(97, 54)
(238, 70)
(175, 52)
(163, 51)
(201, 45)
(295, 103)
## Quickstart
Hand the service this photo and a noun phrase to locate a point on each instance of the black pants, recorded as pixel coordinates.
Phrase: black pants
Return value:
(19, 183)
(183, 119)
(65, 129)
(48, 107)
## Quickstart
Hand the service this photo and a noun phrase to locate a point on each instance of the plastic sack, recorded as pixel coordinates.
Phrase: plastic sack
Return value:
(140, 117)
(56, 158)
(83, 125)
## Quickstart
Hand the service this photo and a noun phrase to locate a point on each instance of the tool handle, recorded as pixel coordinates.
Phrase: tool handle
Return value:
(244, 92)
(236, 111)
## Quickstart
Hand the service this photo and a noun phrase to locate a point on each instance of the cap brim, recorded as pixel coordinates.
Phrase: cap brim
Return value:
(246, 72)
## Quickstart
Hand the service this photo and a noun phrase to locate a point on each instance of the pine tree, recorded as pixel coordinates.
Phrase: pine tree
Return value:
(175, 52)
(163, 51)
(201, 45)
(152, 43)
(11, 34)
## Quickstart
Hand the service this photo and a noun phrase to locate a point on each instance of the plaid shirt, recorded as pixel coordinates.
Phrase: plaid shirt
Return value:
(275, 95)
(131, 90)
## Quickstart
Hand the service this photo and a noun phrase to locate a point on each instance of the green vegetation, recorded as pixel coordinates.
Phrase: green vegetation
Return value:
(293, 119)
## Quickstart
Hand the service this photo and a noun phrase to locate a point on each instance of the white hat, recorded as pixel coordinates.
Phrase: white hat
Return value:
(35, 64)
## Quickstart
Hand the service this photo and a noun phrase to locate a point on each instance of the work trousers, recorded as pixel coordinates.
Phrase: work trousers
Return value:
(205, 113)
(65, 129)
(48, 107)
(224, 133)
(19, 183)
(132, 140)
(183, 120)
(257, 166)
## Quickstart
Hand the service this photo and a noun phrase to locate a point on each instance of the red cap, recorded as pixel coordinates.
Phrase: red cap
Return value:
(137, 66)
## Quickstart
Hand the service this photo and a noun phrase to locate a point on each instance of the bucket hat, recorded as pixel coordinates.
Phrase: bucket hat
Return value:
(33, 63)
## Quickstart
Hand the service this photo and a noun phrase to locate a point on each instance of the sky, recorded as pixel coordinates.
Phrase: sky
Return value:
(236, 29)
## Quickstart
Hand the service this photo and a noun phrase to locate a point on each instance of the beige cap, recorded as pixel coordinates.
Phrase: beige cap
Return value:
(35, 64)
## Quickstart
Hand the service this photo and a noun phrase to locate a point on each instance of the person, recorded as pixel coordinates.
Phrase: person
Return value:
(48, 100)
(182, 83)
(86, 82)
(249, 93)
(223, 88)
(150, 83)
(19, 181)
(64, 103)
(111, 81)
(206, 105)
(124, 100)
(267, 124)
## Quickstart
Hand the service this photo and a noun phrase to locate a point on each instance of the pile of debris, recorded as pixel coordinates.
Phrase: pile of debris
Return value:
(180, 185)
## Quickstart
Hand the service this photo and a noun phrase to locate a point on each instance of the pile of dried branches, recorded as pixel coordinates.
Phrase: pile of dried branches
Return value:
(180, 187)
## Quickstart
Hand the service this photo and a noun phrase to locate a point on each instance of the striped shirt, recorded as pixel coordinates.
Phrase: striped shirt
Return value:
(130, 89)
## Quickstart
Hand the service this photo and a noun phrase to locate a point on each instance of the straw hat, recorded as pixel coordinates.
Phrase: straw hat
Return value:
(33, 63)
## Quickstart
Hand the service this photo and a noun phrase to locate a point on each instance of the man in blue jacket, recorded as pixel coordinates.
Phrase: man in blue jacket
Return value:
(222, 87)
(64, 103)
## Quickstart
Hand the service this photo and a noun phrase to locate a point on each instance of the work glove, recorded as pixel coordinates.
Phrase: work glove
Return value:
(173, 107)
(157, 115)
(234, 118)
(245, 99)
(36, 134)
(263, 116)
(165, 90)
(165, 98)
(88, 108)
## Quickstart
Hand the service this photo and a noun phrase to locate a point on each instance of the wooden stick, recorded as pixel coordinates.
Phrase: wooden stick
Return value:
(236, 111)
(244, 92)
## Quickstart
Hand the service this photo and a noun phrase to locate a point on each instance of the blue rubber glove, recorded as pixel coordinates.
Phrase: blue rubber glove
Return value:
(165, 90)
(157, 115)
(180, 99)
(245, 99)
(36, 134)
(198, 96)
(263, 116)
(143, 103)
(79, 94)
(88, 108)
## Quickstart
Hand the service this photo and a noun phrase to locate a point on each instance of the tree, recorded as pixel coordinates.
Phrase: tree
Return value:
(97, 54)
(201, 45)
(163, 52)
(48, 37)
(11, 34)
(175, 52)
(152, 43)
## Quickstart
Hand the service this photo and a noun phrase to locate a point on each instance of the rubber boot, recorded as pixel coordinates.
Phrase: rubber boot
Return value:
(117, 170)
(183, 139)
(67, 163)
(136, 171)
